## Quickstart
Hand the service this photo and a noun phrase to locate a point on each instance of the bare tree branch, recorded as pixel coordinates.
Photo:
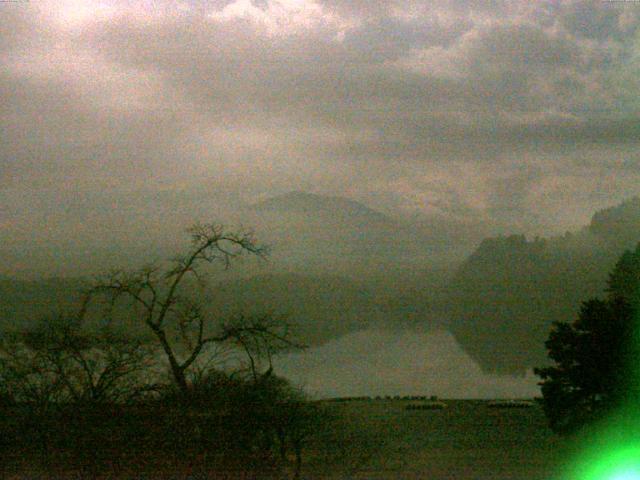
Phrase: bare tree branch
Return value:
(179, 322)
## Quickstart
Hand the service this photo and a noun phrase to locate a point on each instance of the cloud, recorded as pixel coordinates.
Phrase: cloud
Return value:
(279, 17)
(444, 106)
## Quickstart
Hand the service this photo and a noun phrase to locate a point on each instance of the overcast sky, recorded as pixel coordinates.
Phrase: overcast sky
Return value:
(519, 112)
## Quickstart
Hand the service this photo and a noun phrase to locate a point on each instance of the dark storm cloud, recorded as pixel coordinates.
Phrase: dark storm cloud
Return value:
(434, 104)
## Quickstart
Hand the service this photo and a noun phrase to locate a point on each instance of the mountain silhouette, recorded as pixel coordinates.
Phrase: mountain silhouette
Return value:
(335, 235)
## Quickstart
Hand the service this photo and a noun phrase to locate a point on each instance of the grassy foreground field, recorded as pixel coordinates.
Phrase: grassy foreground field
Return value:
(381, 439)
(374, 439)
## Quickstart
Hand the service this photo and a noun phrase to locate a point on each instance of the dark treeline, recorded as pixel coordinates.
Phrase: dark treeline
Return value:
(58, 423)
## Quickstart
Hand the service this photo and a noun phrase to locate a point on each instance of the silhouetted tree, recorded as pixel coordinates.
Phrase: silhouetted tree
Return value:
(165, 302)
(92, 366)
(596, 358)
(62, 380)
(624, 280)
(76, 384)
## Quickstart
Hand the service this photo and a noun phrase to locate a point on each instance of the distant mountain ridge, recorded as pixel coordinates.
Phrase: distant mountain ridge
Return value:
(324, 234)
(440, 239)
(335, 235)
(313, 204)
(618, 224)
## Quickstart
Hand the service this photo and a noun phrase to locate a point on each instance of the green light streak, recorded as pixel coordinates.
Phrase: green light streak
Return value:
(616, 464)
(627, 475)
(610, 450)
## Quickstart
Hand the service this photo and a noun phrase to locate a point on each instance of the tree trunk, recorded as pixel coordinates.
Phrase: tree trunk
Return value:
(283, 444)
(298, 470)
(176, 369)
(179, 377)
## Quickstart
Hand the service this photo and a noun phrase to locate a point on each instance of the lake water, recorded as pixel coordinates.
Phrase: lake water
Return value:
(404, 362)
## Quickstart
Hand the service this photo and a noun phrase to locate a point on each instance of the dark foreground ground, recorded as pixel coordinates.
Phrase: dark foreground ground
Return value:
(466, 440)
(381, 439)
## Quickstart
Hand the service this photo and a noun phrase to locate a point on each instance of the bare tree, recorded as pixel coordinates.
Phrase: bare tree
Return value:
(28, 377)
(260, 337)
(177, 319)
(57, 361)
(51, 369)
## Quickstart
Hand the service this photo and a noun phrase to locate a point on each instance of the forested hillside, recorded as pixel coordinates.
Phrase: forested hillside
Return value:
(505, 296)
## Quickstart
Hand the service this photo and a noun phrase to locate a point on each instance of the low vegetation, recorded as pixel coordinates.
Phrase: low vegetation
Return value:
(85, 393)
